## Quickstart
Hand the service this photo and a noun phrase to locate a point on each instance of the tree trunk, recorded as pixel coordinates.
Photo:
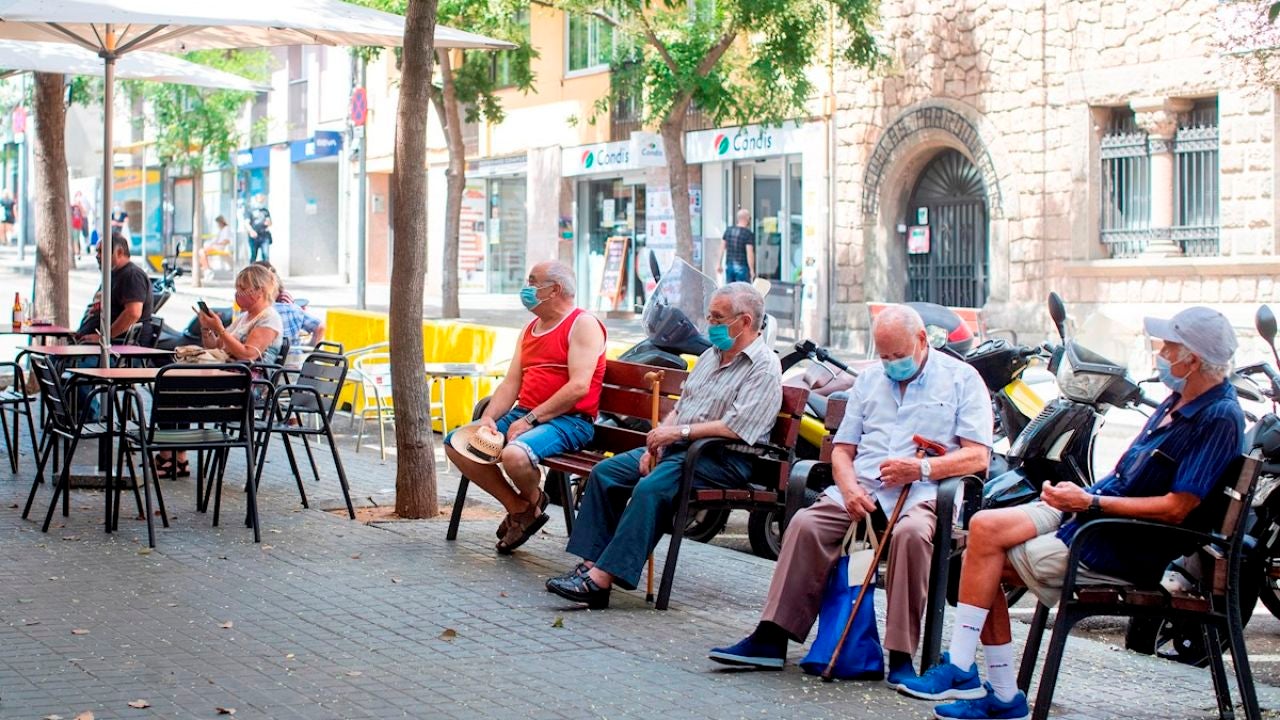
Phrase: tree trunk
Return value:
(53, 228)
(672, 129)
(415, 461)
(449, 111)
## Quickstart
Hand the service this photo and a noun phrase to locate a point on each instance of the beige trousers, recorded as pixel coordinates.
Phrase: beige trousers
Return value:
(811, 547)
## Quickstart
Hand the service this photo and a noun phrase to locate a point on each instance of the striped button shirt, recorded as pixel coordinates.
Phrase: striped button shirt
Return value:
(746, 394)
(1187, 454)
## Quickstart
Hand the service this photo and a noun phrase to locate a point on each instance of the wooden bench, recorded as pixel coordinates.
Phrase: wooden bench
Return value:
(626, 406)
(1215, 605)
(948, 542)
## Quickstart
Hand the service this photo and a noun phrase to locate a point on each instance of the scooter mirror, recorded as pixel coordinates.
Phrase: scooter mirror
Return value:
(1058, 311)
(1265, 322)
(653, 266)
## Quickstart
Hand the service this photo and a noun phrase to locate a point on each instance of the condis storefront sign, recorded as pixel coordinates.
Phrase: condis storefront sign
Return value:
(751, 141)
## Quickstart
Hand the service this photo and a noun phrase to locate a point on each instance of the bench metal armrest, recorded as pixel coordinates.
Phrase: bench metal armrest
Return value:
(1095, 527)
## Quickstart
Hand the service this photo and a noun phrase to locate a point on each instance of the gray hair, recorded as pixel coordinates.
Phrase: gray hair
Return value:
(562, 275)
(744, 214)
(745, 300)
(1215, 371)
(901, 316)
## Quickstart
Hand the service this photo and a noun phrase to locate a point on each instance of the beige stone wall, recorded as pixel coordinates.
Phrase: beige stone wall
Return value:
(1032, 78)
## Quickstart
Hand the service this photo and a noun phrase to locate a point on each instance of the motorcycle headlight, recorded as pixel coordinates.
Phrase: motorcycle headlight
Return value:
(1082, 387)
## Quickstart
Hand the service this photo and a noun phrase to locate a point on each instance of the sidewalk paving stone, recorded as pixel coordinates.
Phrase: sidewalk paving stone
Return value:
(336, 619)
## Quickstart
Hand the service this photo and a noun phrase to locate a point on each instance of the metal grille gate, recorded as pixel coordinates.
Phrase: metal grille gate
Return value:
(955, 270)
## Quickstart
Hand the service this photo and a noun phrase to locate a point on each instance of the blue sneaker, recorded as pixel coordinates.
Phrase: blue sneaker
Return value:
(987, 707)
(945, 681)
(751, 653)
(900, 674)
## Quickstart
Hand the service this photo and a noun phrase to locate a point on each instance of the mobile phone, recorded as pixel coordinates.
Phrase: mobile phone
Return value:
(203, 307)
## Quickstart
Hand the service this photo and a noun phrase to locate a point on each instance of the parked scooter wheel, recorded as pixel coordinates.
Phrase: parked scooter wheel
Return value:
(1181, 641)
(764, 528)
(1269, 592)
(706, 524)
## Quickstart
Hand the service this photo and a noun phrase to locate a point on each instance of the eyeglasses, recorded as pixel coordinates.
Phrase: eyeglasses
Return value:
(721, 319)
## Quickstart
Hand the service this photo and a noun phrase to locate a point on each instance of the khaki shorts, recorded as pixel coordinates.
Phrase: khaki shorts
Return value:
(1041, 562)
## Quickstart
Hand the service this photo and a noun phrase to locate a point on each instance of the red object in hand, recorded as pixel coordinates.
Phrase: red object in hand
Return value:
(931, 448)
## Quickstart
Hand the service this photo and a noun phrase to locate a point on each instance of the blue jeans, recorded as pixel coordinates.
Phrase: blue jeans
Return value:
(619, 535)
(737, 272)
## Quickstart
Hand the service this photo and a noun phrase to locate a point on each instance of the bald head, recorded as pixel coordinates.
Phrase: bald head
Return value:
(744, 217)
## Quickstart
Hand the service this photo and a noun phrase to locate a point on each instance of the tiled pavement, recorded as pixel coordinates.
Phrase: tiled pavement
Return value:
(334, 619)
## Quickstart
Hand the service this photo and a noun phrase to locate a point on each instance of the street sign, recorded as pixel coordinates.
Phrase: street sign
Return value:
(359, 107)
(19, 120)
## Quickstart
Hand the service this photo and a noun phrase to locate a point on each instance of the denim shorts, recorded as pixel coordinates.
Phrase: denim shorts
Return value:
(561, 434)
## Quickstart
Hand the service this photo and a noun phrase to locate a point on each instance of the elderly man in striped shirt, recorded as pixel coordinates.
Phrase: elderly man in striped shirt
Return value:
(734, 392)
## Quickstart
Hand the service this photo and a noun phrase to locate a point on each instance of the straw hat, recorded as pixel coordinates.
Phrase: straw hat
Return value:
(478, 443)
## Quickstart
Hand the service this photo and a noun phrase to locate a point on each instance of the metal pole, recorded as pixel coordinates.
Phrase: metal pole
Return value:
(108, 161)
(362, 198)
(24, 180)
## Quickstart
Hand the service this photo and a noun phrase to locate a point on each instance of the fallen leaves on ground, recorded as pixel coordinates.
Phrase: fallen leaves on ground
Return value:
(395, 580)
(79, 631)
(227, 625)
(449, 634)
(559, 623)
(268, 547)
(225, 711)
(502, 594)
(51, 717)
(144, 551)
(71, 538)
(139, 704)
(86, 715)
(354, 673)
(356, 556)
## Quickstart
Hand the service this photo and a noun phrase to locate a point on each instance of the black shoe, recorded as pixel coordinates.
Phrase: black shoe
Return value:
(580, 570)
(580, 589)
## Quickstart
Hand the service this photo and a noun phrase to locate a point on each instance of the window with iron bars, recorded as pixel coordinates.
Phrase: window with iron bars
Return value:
(1195, 151)
(1126, 185)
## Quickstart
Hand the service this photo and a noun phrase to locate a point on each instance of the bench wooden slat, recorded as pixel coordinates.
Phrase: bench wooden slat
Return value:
(633, 403)
(628, 374)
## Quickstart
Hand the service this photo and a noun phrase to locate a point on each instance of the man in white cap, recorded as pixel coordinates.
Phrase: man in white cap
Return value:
(1165, 475)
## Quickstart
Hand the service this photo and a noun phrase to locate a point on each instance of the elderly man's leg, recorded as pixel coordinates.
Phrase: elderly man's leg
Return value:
(992, 533)
(609, 487)
(907, 586)
(809, 550)
(489, 478)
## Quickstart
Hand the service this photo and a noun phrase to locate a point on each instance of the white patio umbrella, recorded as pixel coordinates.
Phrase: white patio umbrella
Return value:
(114, 28)
(19, 56)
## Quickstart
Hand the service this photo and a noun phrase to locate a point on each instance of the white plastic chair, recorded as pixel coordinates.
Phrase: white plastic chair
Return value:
(373, 372)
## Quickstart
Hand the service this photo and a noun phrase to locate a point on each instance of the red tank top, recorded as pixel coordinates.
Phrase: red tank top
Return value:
(544, 361)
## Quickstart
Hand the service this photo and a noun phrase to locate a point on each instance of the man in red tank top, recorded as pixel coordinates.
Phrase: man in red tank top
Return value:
(545, 406)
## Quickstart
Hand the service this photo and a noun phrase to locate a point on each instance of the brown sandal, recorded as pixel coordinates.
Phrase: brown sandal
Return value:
(505, 525)
(522, 527)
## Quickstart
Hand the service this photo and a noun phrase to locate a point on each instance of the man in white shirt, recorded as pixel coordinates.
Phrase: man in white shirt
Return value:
(914, 391)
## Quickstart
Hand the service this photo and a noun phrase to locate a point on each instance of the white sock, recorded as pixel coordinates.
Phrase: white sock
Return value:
(965, 634)
(1000, 672)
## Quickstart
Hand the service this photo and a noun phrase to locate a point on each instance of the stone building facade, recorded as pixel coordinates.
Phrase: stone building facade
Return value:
(1110, 151)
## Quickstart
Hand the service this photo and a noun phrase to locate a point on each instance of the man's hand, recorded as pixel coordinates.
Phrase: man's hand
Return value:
(252, 232)
(646, 463)
(90, 339)
(518, 428)
(899, 471)
(489, 423)
(1066, 497)
(857, 503)
(660, 437)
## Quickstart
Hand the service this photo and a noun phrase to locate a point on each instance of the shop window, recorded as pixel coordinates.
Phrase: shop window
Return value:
(1126, 185)
(1195, 151)
(590, 43)
(510, 65)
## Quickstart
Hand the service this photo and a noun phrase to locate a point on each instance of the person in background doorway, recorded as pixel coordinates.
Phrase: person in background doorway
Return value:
(119, 220)
(7, 218)
(220, 245)
(79, 224)
(259, 229)
(738, 251)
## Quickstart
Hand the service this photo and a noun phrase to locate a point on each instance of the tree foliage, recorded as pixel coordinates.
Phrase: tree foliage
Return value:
(198, 126)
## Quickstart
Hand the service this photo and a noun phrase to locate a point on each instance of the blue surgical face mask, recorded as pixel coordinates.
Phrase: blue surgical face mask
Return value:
(529, 297)
(1171, 381)
(720, 337)
(902, 369)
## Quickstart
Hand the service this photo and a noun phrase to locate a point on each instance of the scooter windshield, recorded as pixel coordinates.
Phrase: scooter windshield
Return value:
(675, 315)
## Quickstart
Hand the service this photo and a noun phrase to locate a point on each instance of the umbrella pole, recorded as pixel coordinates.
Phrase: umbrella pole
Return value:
(104, 212)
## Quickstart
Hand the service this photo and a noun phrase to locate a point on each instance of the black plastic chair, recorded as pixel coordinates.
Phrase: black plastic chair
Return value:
(1215, 605)
(192, 409)
(290, 407)
(17, 403)
(63, 424)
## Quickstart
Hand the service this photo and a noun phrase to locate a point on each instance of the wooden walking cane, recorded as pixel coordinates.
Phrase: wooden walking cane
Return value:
(655, 382)
(924, 447)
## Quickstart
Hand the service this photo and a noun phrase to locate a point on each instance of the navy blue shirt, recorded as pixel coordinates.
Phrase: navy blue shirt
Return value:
(1188, 454)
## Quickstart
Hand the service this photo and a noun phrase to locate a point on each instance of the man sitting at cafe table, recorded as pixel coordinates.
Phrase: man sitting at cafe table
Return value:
(546, 405)
(131, 298)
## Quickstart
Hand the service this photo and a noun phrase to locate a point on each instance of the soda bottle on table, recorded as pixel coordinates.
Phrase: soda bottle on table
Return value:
(17, 312)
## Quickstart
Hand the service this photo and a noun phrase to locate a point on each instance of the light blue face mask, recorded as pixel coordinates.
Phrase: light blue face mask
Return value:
(1165, 369)
(529, 297)
(720, 337)
(902, 369)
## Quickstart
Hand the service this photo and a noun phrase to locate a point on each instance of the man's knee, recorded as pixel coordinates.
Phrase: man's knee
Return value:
(914, 537)
(515, 459)
(1000, 530)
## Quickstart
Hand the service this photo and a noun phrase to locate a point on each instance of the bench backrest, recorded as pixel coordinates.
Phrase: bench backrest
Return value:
(1237, 487)
(835, 415)
(628, 395)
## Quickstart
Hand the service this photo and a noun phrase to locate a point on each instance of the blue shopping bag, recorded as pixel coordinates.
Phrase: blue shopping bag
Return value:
(861, 657)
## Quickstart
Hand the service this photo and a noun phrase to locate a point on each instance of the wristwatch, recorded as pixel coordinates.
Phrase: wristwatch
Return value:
(1095, 505)
(925, 469)
(684, 432)
(531, 419)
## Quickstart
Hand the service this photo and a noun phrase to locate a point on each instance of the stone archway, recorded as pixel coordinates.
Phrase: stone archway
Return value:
(948, 211)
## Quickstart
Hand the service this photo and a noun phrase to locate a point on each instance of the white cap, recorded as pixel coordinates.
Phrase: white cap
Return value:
(1204, 331)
